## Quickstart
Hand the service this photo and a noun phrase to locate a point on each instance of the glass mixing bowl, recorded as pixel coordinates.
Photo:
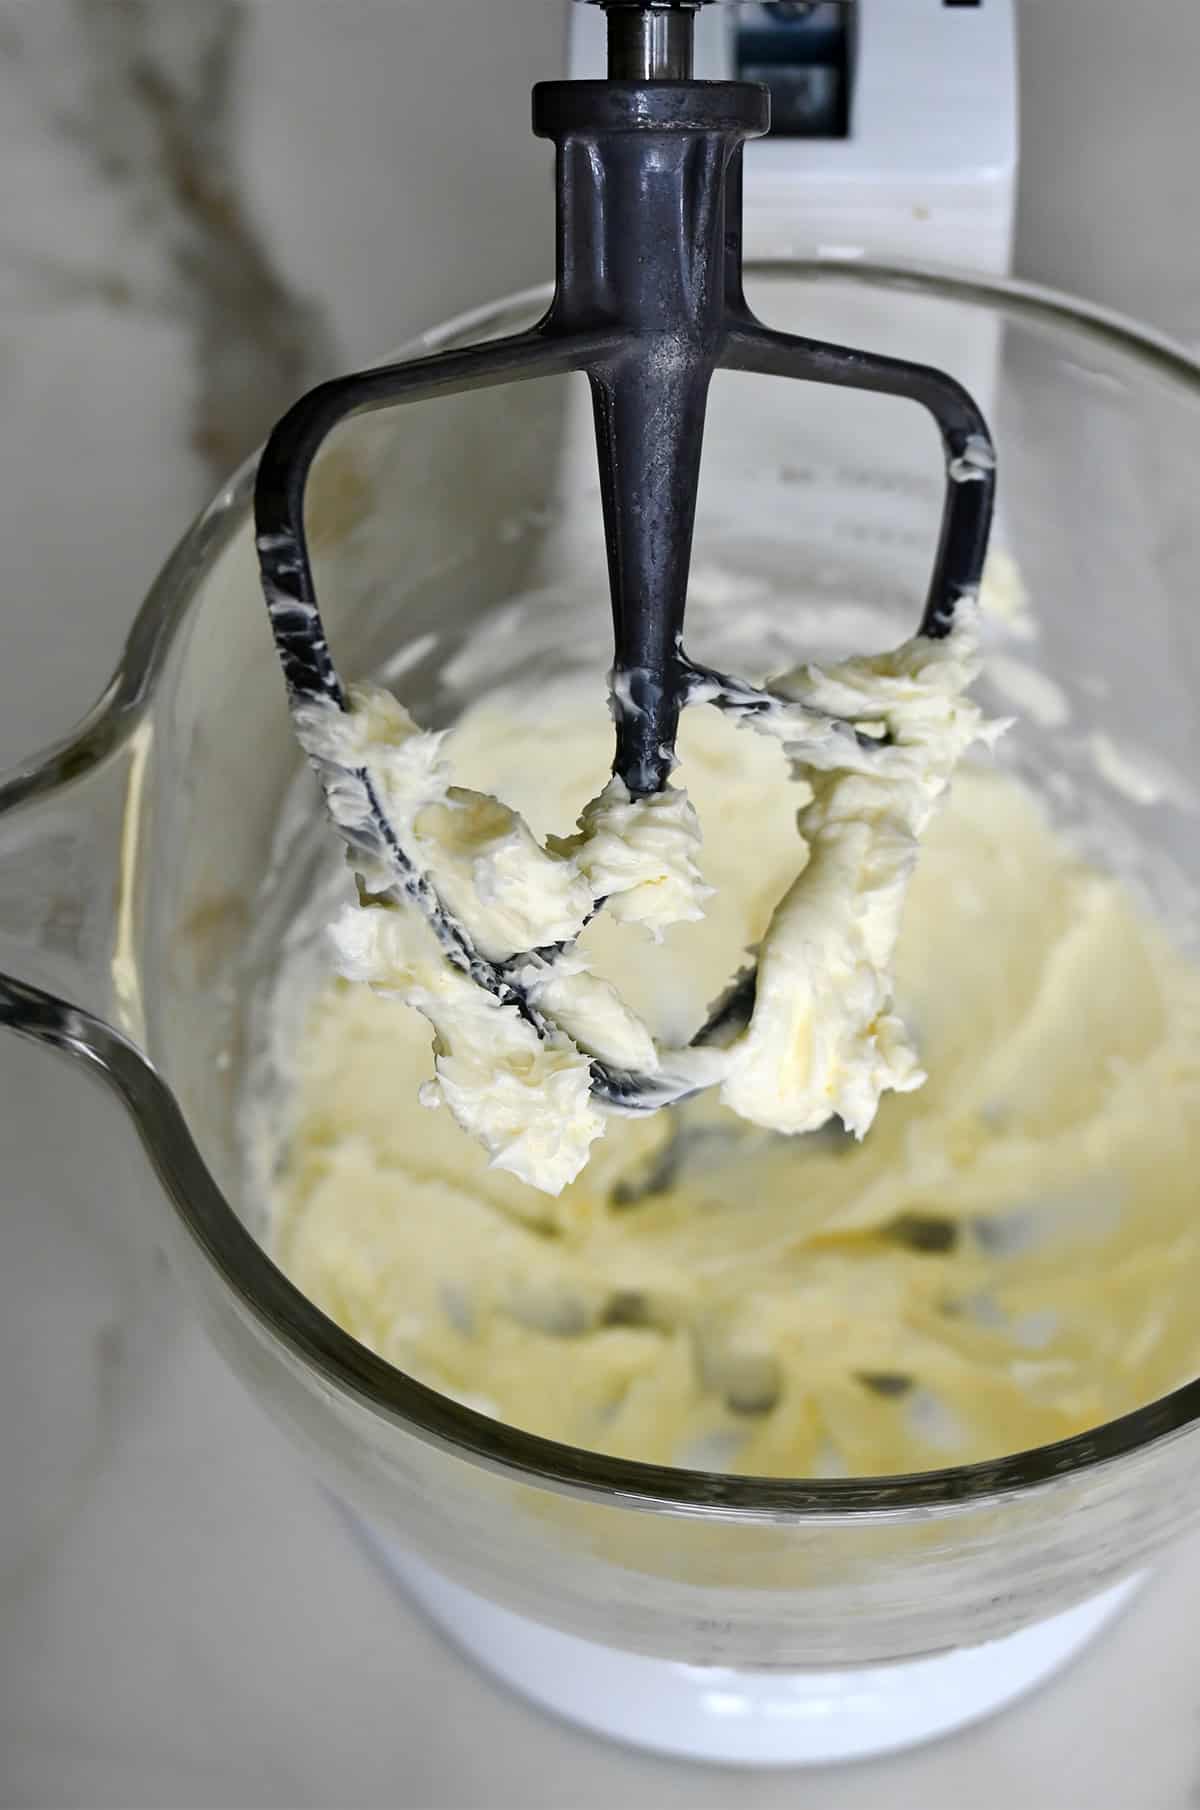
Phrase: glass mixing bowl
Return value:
(132, 858)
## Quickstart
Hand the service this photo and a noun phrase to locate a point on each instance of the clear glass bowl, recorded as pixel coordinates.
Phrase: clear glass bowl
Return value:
(132, 855)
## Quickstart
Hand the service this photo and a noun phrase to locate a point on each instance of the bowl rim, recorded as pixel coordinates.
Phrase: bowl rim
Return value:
(279, 1309)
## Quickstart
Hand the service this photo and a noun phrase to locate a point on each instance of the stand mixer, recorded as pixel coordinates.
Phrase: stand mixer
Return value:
(737, 1617)
(649, 303)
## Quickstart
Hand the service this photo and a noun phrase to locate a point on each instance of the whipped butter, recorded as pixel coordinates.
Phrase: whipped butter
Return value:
(871, 743)
(1010, 1255)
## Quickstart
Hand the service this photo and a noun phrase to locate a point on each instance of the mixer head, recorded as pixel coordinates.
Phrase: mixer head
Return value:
(649, 302)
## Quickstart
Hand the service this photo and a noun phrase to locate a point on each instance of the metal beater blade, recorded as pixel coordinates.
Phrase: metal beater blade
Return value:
(649, 302)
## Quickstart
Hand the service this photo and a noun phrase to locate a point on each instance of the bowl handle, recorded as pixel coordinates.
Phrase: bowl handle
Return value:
(69, 879)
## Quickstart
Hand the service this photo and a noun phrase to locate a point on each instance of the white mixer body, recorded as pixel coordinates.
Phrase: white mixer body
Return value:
(926, 170)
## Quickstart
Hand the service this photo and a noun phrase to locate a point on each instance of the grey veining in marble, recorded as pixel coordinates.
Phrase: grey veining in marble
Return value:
(158, 118)
(205, 204)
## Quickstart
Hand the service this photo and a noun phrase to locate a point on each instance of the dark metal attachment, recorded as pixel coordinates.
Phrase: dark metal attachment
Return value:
(649, 302)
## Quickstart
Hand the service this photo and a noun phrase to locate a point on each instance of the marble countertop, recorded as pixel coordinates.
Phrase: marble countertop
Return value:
(184, 1619)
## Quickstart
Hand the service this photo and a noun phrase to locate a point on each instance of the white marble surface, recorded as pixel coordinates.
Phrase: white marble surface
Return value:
(202, 206)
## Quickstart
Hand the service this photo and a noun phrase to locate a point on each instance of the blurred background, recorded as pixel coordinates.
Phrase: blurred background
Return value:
(206, 206)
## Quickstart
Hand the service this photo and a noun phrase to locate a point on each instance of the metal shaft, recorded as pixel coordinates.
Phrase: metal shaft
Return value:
(650, 43)
(646, 227)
